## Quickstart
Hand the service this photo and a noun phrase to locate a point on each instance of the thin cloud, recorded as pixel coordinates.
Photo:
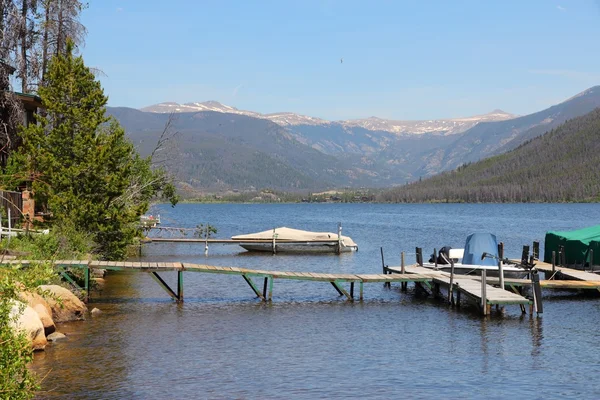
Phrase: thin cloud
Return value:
(561, 8)
(119, 9)
(236, 89)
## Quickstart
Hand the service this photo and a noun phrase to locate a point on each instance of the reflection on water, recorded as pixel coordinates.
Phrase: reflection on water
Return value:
(309, 343)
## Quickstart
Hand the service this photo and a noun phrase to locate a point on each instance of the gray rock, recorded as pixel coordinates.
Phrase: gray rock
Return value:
(98, 273)
(56, 336)
(95, 312)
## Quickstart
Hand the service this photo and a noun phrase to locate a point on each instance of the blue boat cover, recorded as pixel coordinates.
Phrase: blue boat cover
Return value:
(476, 245)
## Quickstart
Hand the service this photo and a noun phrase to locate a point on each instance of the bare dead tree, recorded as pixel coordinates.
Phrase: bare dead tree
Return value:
(166, 142)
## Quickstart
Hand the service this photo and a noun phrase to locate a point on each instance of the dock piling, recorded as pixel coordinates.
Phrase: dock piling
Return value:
(338, 249)
(403, 285)
(419, 253)
(451, 286)
(384, 267)
(87, 283)
(537, 292)
(536, 250)
(525, 255)
(484, 307)
(266, 281)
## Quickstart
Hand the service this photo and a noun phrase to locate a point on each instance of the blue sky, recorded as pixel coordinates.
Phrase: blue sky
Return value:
(401, 59)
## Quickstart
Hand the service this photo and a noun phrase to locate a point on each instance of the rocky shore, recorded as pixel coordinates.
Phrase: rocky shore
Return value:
(37, 314)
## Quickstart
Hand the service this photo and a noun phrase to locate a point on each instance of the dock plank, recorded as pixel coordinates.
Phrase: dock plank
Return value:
(568, 272)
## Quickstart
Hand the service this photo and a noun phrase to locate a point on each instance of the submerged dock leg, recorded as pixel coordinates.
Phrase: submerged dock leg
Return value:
(266, 281)
(361, 290)
(341, 290)
(253, 287)
(87, 283)
(336, 288)
(167, 288)
(180, 285)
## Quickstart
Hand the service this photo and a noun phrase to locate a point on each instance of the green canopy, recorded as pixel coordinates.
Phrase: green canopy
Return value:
(576, 243)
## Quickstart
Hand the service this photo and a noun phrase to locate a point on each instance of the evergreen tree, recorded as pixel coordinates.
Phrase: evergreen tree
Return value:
(82, 166)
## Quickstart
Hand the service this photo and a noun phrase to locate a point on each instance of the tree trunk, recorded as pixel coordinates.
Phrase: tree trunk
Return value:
(47, 5)
(23, 37)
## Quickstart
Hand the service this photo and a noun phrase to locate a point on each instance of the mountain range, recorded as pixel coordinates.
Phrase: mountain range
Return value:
(443, 126)
(561, 165)
(221, 147)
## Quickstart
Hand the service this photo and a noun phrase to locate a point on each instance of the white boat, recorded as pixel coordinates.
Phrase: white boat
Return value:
(480, 253)
(149, 221)
(296, 241)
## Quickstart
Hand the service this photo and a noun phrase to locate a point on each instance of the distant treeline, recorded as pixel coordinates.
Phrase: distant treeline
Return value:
(563, 165)
(273, 196)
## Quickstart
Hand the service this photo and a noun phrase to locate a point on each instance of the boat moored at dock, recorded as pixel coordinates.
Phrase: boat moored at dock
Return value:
(290, 240)
(480, 253)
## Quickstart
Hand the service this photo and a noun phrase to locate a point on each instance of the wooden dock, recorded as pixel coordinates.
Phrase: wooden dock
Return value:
(266, 294)
(261, 281)
(568, 273)
(483, 295)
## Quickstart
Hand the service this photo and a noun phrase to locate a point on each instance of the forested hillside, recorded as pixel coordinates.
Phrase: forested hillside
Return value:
(562, 165)
(221, 151)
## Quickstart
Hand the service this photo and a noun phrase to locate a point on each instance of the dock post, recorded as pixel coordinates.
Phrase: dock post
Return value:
(553, 263)
(179, 286)
(338, 250)
(271, 289)
(274, 242)
(537, 292)
(435, 258)
(536, 250)
(385, 270)
(352, 290)
(361, 290)
(266, 281)
(501, 250)
(403, 285)
(87, 282)
(484, 307)
(501, 273)
(451, 286)
(206, 241)
(525, 255)
(402, 265)
(419, 252)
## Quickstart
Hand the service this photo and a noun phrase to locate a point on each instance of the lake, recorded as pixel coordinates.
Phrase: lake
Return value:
(309, 343)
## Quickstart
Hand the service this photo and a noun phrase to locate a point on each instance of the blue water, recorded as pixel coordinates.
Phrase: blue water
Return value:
(309, 343)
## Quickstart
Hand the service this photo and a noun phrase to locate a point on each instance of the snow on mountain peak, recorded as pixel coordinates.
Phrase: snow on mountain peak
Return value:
(442, 126)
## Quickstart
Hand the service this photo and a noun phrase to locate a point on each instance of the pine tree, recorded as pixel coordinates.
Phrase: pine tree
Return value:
(82, 166)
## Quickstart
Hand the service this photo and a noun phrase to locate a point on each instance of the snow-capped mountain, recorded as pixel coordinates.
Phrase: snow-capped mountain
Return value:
(441, 126)
(282, 118)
